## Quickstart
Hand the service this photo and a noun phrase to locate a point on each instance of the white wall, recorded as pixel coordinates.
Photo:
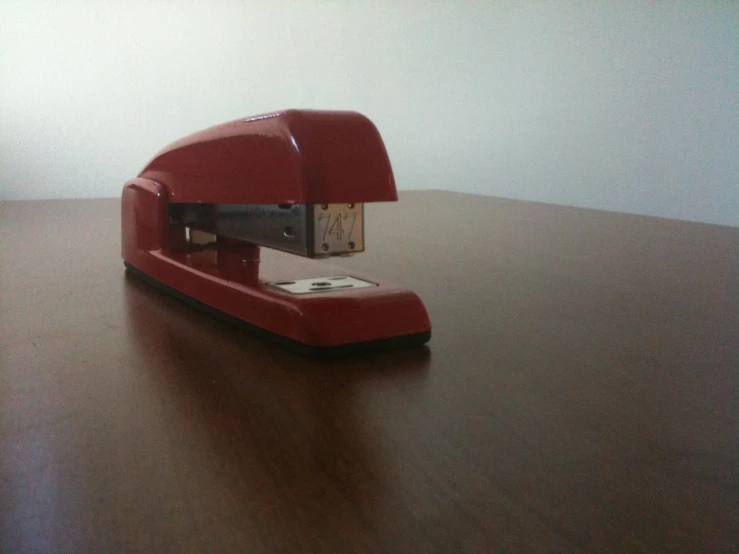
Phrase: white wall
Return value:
(628, 105)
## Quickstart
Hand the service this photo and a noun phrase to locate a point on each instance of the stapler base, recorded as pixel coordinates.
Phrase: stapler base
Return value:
(309, 350)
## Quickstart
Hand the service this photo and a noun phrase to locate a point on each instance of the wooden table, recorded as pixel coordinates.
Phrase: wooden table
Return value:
(579, 394)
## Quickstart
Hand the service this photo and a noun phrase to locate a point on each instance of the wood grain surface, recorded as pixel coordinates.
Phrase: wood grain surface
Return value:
(579, 394)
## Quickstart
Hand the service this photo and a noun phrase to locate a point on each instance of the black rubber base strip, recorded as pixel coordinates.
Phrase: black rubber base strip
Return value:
(311, 351)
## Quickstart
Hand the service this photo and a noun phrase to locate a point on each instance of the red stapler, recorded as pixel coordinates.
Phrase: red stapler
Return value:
(296, 181)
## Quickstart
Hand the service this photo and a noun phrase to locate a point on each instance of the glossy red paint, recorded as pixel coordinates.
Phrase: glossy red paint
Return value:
(293, 156)
(227, 275)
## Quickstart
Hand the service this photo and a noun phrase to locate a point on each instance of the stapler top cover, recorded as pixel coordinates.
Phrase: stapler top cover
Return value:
(286, 157)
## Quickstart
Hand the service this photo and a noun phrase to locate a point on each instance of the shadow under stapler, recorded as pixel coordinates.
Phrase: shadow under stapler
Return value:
(275, 424)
